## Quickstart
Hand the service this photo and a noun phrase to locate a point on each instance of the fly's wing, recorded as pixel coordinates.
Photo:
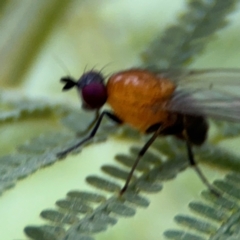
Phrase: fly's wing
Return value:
(214, 93)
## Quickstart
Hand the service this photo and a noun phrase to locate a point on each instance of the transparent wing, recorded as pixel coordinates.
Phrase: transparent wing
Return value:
(214, 93)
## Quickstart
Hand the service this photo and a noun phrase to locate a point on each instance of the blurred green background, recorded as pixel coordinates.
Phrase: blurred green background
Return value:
(40, 42)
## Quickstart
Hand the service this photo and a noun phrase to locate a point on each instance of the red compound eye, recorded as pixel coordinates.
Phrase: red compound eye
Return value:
(92, 90)
(94, 95)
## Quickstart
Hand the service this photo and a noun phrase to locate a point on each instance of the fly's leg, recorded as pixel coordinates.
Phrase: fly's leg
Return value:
(92, 133)
(140, 154)
(198, 170)
(90, 126)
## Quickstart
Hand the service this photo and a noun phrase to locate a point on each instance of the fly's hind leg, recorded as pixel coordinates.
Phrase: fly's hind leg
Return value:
(198, 170)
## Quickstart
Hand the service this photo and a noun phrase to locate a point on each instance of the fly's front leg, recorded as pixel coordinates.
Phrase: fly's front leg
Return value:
(90, 126)
(92, 133)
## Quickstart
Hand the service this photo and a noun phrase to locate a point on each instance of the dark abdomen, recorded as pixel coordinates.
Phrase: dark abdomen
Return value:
(194, 127)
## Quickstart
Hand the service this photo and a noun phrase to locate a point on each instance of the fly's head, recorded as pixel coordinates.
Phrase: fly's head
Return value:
(91, 88)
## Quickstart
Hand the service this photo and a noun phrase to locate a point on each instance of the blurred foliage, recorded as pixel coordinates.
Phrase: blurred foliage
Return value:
(182, 42)
(36, 123)
(36, 21)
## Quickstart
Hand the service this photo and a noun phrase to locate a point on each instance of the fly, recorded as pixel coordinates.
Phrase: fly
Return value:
(171, 102)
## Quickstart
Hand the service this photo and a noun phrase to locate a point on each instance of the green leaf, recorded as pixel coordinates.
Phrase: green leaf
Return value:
(121, 209)
(181, 235)
(44, 232)
(195, 224)
(74, 206)
(136, 199)
(86, 196)
(208, 211)
(103, 184)
(58, 217)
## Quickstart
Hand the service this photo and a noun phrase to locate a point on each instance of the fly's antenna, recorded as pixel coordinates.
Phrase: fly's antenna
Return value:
(85, 69)
(69, 83)
(93, 68)
(62, 65)
(103, 68)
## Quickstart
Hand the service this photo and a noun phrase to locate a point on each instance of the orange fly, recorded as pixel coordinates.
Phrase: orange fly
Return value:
(166, 103)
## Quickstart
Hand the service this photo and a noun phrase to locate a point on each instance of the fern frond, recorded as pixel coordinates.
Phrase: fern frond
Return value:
(214, 155)
(184, 41)
(34, 155)
(40, 151)
(80, 211)
(216, 217)
(228, 130)
(15, 107)
(101, 211)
